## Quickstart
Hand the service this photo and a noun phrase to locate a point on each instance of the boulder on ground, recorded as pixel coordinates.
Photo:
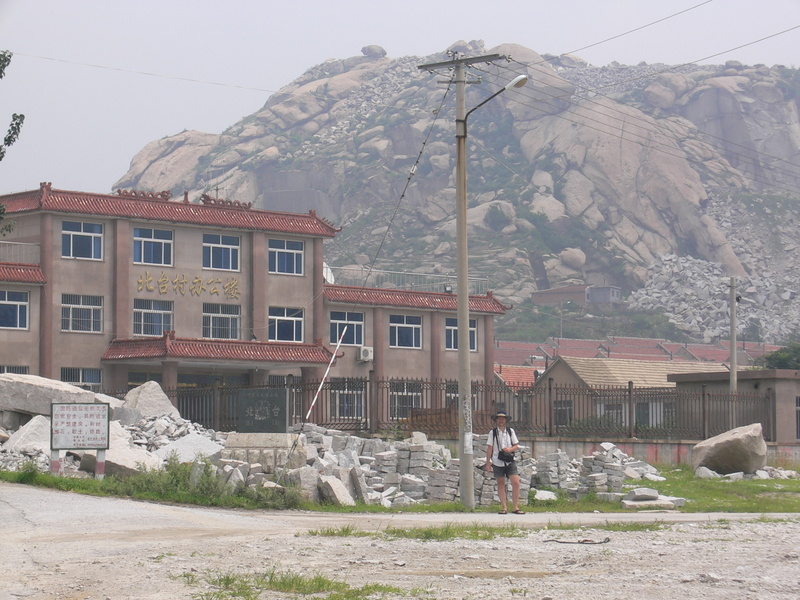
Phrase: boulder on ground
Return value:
(334, 491)
(122, 456)
(190, 447)
(25, 395)
(150, 400)
(740, 449)
(31, 437)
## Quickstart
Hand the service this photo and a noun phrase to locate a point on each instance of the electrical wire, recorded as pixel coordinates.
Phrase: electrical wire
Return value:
(649, 127)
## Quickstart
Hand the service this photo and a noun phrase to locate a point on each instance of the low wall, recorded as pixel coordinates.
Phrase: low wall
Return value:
(664, 452)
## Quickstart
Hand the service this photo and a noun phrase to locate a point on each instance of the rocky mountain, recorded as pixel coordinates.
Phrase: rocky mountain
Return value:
(586, 174)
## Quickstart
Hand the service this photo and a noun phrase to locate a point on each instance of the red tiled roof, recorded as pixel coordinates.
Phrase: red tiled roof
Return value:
(614, 349)
(515, 376)
(406, 299)
(660, 357)
(21, 273)
(191, 348)
(631, 341)
(152, 208)
(574, 343)
(512, 356)
(518, 345)
(579, 352)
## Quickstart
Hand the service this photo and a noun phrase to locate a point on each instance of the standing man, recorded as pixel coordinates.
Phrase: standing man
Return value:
(501, 445)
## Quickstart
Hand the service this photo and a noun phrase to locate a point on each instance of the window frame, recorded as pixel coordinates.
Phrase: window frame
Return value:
(282, 260)
(83, 304)
(15, 369)
(69, 237)
(85, 379)
(143, 242)
(280, 319)
(220, 320)
(347, 398)
(217, 253)
(451, 334)
(354, 321)
(18, 309)
(403, 397)
(401, 326)
(167, 320)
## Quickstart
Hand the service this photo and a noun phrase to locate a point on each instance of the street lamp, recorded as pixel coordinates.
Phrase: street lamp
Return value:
(465, 453)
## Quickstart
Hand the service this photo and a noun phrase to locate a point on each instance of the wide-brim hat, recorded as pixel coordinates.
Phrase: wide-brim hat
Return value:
(501, 413)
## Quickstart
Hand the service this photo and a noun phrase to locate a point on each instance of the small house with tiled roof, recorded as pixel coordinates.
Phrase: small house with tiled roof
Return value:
(111, 290)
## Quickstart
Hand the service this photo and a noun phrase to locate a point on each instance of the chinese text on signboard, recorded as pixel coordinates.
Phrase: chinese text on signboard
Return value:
(78, 426)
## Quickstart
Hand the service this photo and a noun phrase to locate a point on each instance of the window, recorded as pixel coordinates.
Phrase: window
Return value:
(152, 317)
(347, 398)
(403, 396)
(14, 369)
(220, 252)
(354, 321)
(286, 256)
(642, 414)
(797, 416)
(152, 246)
(285, 324)
(405, 331)
(613, 414)
(81, 240)
(81, 313)
(563, 412)
(221, 321)
(451, 334)
(13, 310)
(88, 379)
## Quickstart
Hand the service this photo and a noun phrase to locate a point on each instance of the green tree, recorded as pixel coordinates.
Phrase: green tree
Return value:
(11, 136)
(785, 358)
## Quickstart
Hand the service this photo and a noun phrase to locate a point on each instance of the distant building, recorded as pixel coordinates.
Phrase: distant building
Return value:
(580, 294)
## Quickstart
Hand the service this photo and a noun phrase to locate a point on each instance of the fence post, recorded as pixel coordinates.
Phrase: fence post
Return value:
(704, 408)
(551, 410)
(631, 411)
(216, 402)
(372, 402)
(771, 415)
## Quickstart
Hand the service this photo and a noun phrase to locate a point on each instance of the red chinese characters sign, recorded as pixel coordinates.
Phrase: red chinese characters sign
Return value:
(80, 426)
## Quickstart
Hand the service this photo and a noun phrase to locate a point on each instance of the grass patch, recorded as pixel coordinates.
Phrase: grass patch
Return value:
(227, 585)
(448, 531)
(722, 495)
(607, 526)
(172, 483)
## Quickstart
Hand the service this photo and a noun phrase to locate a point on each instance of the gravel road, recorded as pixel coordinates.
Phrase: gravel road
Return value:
(59, 545)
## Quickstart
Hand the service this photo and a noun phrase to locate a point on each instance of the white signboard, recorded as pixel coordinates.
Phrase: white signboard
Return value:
(80, 426)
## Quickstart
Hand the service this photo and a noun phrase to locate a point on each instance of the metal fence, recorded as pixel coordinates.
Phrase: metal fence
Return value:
(404, 405)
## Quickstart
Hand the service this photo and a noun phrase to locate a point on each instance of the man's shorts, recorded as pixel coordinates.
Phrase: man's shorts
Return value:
(507, 470)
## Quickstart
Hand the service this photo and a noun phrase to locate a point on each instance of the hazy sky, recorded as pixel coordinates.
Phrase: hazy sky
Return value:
(83, 124)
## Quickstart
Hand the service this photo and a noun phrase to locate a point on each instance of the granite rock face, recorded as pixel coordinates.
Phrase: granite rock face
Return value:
(603, 170)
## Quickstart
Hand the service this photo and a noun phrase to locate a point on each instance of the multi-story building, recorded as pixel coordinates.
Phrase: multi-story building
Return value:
(109, 291)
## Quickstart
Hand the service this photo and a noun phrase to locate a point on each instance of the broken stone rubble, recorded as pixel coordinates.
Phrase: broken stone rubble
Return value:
(370, 470)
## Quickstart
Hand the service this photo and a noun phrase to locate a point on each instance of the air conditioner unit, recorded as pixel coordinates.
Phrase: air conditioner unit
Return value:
(365, 353)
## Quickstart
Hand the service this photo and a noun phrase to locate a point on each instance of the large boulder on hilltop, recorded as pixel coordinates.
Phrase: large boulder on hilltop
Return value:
(150, 400)
(739, 450)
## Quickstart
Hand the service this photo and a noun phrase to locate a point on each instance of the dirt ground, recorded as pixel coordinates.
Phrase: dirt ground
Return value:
(57, 545)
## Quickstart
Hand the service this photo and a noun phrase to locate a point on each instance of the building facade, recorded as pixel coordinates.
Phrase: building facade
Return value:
(111, 290)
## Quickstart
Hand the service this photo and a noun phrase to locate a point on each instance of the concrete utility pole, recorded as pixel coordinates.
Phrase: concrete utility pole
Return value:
(465, 450)
(733, 302)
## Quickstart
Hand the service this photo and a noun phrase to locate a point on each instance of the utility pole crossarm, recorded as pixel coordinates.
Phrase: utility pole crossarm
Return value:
(471, 60)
